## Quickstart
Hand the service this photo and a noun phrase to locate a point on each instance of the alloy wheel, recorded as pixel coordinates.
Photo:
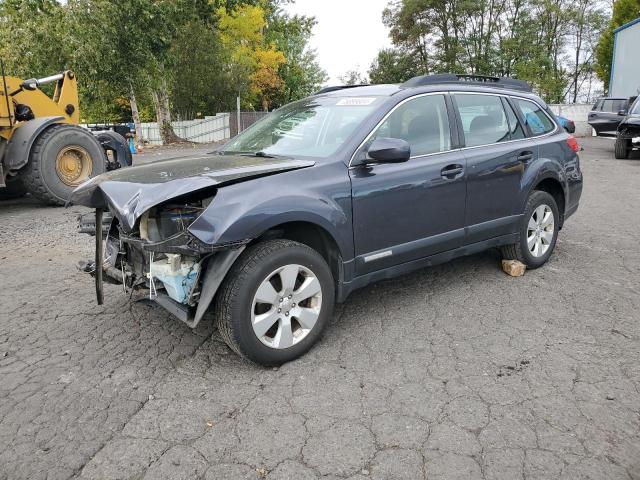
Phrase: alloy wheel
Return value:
(286, 306)
(540, 230)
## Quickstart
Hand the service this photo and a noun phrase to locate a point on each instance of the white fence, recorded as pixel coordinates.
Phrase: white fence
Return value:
(208, 129)
(577, 112)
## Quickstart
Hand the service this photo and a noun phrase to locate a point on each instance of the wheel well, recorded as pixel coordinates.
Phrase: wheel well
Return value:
(314, 237)
(554, 188)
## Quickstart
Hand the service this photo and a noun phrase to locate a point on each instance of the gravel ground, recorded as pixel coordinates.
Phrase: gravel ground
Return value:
(454, 372)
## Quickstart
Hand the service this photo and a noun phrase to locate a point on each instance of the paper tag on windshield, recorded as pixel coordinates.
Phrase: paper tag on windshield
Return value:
(356, 101)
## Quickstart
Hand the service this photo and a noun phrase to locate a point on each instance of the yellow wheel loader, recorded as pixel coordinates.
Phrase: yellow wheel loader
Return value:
(43, 151)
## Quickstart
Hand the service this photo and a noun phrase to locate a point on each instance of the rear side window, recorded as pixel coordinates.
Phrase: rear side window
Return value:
(614, 105)
(514, 124)
(423, 122)
(598, 105)
(538, 121)
(483, 119)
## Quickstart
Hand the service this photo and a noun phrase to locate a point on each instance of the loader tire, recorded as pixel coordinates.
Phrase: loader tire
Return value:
(62, 157)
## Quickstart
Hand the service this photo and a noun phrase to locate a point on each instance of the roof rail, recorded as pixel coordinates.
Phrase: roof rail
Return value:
(338, 87)
(502, 82)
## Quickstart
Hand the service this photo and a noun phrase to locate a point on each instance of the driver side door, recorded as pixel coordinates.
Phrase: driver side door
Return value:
(410, 210)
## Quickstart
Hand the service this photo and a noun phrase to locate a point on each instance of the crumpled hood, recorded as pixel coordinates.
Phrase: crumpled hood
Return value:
(129, 192)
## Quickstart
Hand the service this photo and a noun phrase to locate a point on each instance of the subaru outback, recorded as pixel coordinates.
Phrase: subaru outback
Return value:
(330, 193)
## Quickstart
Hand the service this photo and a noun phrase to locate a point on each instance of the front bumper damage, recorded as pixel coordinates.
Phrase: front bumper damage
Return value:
(180, 273)
(630, 130)
(148, 244)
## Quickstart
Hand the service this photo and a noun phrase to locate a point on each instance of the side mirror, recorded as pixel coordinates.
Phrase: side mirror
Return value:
(389, 150)
(622, 113)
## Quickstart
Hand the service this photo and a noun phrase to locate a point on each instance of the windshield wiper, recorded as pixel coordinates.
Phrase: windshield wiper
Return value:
(257, 154)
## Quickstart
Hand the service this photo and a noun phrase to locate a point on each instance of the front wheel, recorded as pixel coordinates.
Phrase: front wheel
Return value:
(275, 301)
(622, 148)
(538, 231)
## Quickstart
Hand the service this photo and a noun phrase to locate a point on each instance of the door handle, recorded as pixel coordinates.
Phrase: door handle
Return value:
(451, 171)
(525, 156)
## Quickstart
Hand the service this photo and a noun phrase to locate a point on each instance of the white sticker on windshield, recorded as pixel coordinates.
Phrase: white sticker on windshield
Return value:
(356, 101)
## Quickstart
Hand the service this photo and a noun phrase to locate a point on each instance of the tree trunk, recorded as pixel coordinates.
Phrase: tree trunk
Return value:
(136, 115)
(163, 114)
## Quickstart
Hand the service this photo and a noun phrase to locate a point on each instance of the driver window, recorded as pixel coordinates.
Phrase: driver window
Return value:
(423, 122)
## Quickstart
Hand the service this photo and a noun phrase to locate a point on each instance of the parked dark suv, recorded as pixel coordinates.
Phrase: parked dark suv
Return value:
(606, 115)
(333, 192)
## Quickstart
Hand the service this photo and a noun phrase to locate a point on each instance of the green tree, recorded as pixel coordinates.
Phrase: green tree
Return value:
(33, 37)
(535, 40)
(392, 66)
(353, 77)
(624, 11)
(301, 74)
(146, 59)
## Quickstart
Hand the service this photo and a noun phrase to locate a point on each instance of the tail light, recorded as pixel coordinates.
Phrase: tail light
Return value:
(573, 144)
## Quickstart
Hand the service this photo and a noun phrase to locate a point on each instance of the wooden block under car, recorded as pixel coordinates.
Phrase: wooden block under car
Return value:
(513, 267)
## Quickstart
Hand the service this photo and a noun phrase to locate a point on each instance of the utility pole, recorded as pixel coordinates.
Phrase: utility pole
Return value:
(238, 109)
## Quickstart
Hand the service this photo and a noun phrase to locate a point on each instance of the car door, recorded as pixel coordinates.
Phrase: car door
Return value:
(405, 211)
(604, 117)
(497, 152)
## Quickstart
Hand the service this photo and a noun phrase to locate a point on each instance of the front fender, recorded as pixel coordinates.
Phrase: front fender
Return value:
(23, 138)
(245, 211)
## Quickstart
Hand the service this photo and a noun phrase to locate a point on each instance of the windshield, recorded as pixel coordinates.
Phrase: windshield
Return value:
(314, 127)
(635, 109)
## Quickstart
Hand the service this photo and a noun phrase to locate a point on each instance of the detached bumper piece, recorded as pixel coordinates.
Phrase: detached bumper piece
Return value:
(99, 257)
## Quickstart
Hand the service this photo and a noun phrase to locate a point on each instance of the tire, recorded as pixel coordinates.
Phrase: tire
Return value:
(43, 177)
(238, 312)
(520, 250)
(14, 189)
(621, 149)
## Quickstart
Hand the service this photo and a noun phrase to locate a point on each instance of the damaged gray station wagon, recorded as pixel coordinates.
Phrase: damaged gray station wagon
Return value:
(330, 193)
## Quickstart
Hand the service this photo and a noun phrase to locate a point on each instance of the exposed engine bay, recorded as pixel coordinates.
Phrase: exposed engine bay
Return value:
(159, 256)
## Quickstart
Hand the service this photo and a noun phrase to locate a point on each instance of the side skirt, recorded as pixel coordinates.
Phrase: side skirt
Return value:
(403, 268)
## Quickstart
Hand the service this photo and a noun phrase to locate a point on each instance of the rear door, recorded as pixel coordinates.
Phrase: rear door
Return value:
(604, 117)
(497, 151)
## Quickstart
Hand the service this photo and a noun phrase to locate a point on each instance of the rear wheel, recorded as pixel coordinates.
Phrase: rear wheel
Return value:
(275, 301)
(622, 148)
(62, 157)
(538, 231)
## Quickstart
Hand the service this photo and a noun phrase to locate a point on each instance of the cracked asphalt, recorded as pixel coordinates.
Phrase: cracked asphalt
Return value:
(453, 372)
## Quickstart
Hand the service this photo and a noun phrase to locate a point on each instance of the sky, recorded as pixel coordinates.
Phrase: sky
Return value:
(348, 35)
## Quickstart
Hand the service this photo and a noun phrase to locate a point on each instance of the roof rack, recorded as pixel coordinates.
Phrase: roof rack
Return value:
(502, 82)
(338, 87)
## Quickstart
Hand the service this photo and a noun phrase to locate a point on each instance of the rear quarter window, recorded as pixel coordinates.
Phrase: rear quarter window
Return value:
(535, 118)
